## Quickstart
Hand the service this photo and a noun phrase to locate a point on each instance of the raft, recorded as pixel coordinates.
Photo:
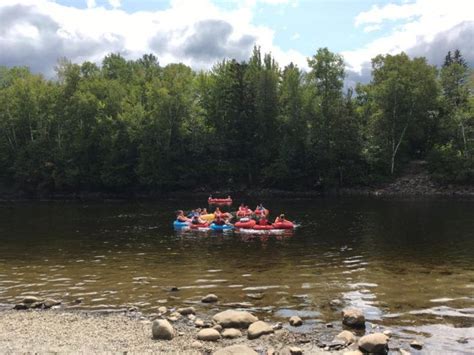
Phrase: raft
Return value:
(247, 224)
(219, 200)
(283, 225)
(223, 227)
(179, 224)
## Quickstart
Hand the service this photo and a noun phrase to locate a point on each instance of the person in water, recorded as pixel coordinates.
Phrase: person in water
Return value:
(280, 218)
(197, 219)
(219, 221)
(204, 211)
(181, 217)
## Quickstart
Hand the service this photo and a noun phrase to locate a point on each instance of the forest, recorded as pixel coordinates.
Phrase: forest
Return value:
(134, 125)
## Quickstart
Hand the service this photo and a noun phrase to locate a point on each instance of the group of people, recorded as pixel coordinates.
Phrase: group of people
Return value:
(220, 218)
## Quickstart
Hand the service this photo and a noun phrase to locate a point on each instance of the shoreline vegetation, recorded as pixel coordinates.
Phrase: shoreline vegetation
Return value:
(135, 125)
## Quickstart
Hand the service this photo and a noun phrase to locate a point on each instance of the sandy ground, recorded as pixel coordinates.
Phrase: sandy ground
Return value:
(57, 331)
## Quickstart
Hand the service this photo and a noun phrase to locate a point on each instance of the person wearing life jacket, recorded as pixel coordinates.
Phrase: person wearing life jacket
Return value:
(219, 221)
(181, 217)
(280, 219)
(242, 212)
(260, 211)
(263, 221)
(218, 212)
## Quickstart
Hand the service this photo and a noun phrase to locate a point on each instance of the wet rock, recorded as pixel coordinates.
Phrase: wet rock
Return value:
(186, 311)
(162, 329)
(162, 310)
(174, 289)
(35, 305)
(255, 296)
(335, 303)
(49, 302)
(329, 325)
(337, 344)
(234, 319)
(231, 333)
(462, 340)
(258, 329)
(346, 336)
(210, 298)
(278, 326)
(353, 317)
(196, 345)
(20, 307)
(374, 343)
(199, 323)
(236, 350)
(415, 344)
(31, 299)
(208, 334)
(296, 321)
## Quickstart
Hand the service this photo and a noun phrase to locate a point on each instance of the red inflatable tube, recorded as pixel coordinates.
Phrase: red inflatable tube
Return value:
(245, 225)
(283, 225)
(244, 213)
(263, 228)
(200, 225)
(219, 200)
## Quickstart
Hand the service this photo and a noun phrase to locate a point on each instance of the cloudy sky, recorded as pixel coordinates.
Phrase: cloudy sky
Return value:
(201, 32)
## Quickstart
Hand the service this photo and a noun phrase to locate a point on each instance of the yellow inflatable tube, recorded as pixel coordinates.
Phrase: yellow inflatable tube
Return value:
(207, 217)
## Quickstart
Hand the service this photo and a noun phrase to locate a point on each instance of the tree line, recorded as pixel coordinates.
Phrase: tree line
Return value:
(134, 125)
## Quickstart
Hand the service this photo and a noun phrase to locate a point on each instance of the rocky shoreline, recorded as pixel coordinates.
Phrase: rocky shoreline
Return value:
(39, 326)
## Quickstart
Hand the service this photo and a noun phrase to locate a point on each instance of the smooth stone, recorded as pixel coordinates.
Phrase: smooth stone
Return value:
(346, 336)
(415, 344)
(186, 311)
(210, 298)
(191, 317)
(258, 329)
(296, 321)
(162, 310)
(374, 343)
(173, 319)
(353, 317)
(234, 319)
(196, 344)
(231, 333)
(217, 327)
(49, 302)
(199, 323)
(31, 299)
(236, 350)
(335, 303)
(162, 329)
(208, 334)
(255, 296)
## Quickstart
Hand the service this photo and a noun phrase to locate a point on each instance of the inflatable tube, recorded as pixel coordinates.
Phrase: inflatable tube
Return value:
(219, 200)
(179, 224)
(199, 225)
(264, 227)
(283, 225)
(244, 213)
(208, 217)
(247, 224)
(216, 227)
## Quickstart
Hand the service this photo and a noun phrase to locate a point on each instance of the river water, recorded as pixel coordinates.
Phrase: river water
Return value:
(408, 264)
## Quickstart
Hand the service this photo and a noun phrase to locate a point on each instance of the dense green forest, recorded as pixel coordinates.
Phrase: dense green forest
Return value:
(134, 125)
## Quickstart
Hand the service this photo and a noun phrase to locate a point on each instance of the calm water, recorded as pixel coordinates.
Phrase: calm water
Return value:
(408, 264)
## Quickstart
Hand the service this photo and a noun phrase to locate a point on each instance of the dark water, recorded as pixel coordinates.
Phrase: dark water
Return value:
(409, 264)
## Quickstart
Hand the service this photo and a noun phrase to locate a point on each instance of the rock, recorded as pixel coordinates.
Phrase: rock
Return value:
(35, 305)
(196, 344)
(238, 305)
(416, 345)
(31, 299)
(162, 310)
(335, 303)
(278, 326)
(199, 323)
(271, 351)
(217, 327)
(186, 311)
(236, 350)
(49, 302)
(294, 350)
(388, 333)
(258, 329)
(174, 289)
(329, 325)
(173, 319)
(346, 336)
(404, 352)
(255, 296)
(162, 329)
(296, 321)
(231, 333)
(20, 307)
(210, 298)
(353, 317)
(374, 343)
(208, 334)
(191, 317)
(234, 319)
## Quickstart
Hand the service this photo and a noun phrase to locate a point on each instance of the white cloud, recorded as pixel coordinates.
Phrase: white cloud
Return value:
(422, 21)
(37, 32)
(295, 36)
(372, 28)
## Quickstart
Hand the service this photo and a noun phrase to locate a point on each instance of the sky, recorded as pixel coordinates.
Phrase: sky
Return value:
(200, 33)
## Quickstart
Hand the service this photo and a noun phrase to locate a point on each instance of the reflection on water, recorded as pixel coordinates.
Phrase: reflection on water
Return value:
(407, 264)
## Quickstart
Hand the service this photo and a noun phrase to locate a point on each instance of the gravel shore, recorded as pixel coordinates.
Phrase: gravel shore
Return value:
(58, 331)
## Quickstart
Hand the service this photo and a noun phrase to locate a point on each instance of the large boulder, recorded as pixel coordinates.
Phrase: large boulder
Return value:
(236, 350)
(346, 336)
(162, 329)
(208, 334)
(231, 333)
(258, 329)
(234, 319)
(376, 343)
(353, 317)
(210, 298)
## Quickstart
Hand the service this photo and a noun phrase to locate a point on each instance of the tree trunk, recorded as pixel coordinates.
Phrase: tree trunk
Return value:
(463, 132)
(395, 150)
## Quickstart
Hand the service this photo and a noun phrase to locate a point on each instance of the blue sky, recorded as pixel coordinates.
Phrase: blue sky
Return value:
(200, 33)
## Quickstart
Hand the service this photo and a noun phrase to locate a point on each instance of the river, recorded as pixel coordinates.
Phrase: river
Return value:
(407, 263)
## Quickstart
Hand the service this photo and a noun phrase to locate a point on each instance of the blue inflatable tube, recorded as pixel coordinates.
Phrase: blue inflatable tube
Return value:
(178, 224)
(223, 227)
